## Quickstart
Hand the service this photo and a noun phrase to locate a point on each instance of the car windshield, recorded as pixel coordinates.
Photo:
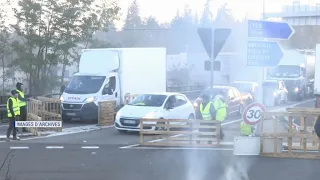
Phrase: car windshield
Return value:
(215, 91)
(243, 87)
(150, 100)
(85, 84)
(284, 71)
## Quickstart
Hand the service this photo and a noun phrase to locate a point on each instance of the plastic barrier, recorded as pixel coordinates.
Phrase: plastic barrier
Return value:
(289, 141)
(179, 132)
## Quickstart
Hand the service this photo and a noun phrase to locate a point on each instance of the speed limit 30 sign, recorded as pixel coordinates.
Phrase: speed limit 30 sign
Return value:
(253, 113)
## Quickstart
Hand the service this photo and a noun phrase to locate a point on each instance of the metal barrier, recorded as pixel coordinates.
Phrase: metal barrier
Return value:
(180, 132)
(301, 143)
(44, 109)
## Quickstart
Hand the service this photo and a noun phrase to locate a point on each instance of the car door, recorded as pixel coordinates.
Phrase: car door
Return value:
(173, 112)
(231, 102)
(181, 107)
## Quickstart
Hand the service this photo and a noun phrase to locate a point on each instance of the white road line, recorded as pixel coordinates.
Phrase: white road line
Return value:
(54, 147)
(19, 147)
(184, 148)
(90, 147)
(5, 125)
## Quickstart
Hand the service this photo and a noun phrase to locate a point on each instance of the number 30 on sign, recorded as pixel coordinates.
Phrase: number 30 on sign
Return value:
(253, 113)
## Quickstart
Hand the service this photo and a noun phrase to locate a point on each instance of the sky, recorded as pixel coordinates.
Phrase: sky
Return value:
(165, 10)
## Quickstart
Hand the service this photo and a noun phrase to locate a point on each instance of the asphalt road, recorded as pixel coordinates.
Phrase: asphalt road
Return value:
(97, 155)
(109, 162)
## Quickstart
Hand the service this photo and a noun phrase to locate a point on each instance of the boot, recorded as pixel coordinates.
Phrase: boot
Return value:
(16, 139)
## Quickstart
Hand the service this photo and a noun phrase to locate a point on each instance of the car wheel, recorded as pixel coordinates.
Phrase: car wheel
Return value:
(161, 128)
(122, 131)
(240, 111)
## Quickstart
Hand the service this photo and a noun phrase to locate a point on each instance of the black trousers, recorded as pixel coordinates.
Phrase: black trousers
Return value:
(12, 127)
(23, 113)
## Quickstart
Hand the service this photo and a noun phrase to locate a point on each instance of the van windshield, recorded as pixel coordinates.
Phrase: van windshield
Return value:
(151, 100)
(243, 87)
(285, 71)
(85, 84)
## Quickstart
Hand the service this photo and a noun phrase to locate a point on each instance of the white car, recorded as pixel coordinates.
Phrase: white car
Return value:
(153, 106)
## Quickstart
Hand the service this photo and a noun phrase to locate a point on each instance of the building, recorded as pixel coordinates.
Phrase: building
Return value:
(299, 13)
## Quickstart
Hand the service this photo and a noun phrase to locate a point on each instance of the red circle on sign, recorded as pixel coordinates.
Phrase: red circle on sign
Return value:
(250, 113)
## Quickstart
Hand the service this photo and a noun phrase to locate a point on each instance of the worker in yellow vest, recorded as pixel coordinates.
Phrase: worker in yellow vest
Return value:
(220, 107)
(246, 129)
(13, 111)
(22, 103)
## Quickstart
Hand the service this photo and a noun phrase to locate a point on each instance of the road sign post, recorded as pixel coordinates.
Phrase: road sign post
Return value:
(213, 41)
(253, 113)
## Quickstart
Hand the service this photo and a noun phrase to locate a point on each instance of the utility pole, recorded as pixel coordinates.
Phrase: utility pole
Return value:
(212, 62)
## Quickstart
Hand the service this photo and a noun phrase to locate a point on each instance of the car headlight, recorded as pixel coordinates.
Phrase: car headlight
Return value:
(91, 99)
(118, 115)
(61, 98)
(195, 104)
(296, 89)
(275, 93)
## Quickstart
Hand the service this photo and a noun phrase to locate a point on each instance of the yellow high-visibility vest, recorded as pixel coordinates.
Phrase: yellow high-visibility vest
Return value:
(246, 129)
(205, 112)
(21, 103)
(221, 110)
(15, 107)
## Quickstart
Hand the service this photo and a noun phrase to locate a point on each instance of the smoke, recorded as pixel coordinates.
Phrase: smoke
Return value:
(220, 165)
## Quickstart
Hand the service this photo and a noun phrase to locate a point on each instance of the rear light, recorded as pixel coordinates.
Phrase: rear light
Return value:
(195, 104)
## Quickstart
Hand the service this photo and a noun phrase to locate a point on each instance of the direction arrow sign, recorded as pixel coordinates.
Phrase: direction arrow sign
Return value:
(253, 113)
(263, 53)
(269, 29)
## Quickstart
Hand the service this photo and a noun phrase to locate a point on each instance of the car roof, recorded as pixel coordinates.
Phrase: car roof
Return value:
(251, 82)
(164, 93)
(221, 87)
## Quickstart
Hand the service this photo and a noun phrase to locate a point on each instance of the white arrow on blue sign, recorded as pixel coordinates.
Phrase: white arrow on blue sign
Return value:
(264, 53)
(269, 29)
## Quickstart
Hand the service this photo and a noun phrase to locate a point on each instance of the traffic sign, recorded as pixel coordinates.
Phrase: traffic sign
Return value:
(269, 29)
(220, 36)
(253, 113)
(263, 53)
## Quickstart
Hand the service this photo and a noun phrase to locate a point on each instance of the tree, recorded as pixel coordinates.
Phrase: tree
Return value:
(207, 16)
(133, 26)
(5, 40)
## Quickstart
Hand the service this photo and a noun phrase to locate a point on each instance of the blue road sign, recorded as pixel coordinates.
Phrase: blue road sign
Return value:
(269, 29)
(263, 53)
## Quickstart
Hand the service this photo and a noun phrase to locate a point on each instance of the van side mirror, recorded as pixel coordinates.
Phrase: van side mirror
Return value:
(62, 88)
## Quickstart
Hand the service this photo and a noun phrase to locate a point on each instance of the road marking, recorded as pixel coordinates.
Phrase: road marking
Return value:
(183, 148)
(25, 147)
(90, 147)
(54, 147)
(6, 125)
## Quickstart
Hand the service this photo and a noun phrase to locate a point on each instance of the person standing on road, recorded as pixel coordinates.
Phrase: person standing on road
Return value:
(13, 110)
(208, 113)
(246, 129)
(221, 110)
(22, 103)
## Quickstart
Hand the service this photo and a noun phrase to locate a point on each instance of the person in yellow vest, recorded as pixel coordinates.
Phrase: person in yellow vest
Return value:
(13, 111)
(220, 107)
(208, 113)
(22, 103)
(246, 129)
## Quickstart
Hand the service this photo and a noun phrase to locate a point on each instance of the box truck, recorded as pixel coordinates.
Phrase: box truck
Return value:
(109, 74)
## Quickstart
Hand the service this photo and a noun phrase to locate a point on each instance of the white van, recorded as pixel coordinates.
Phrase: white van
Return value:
(106, 74)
